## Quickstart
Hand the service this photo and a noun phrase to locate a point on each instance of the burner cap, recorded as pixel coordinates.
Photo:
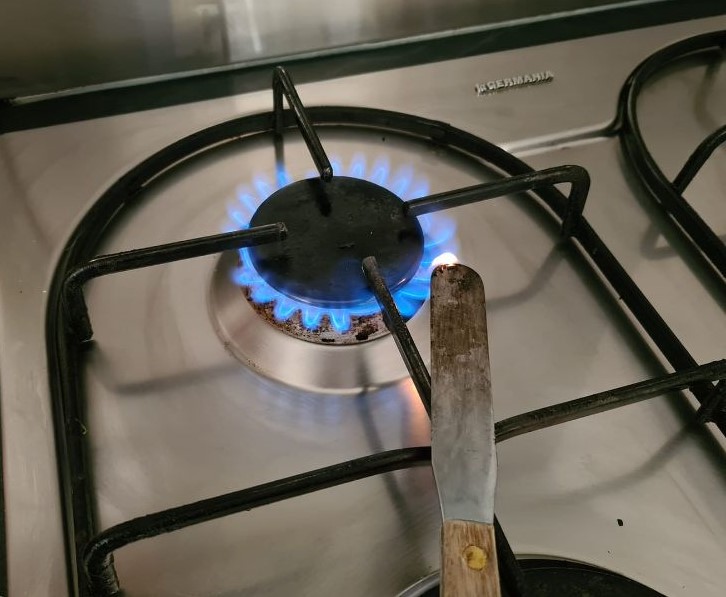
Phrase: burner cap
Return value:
(331, 227)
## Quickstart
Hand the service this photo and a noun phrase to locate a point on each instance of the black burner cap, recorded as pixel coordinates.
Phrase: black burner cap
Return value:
(331, 227)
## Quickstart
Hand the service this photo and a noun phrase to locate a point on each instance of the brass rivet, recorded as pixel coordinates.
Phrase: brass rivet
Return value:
(475, 557)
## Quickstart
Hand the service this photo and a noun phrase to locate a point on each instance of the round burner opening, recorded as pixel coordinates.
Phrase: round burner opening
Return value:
(332, 226)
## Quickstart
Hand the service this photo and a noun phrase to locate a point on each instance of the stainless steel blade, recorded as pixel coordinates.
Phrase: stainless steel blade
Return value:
(462, 420)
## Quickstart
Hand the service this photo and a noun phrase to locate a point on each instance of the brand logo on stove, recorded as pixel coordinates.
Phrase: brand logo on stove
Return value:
(510, 82)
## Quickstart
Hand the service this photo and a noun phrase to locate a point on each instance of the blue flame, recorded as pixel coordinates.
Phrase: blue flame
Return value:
(438, 232)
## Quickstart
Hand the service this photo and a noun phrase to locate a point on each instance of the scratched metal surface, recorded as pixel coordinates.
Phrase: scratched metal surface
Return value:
(174, 417)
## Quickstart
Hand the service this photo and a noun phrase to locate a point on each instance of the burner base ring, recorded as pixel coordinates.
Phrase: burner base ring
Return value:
(280, 355)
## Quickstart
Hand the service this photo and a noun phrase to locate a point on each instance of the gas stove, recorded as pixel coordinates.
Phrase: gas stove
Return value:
(209, 388)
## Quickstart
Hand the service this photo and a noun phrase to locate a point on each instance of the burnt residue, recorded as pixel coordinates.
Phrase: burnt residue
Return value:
(362, 329)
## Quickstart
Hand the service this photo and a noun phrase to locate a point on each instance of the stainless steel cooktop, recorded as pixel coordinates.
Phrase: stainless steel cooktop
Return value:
(178, 410)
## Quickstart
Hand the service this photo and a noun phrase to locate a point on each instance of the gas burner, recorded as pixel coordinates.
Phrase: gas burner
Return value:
(322, 294)
(311, 285)
(337, 317)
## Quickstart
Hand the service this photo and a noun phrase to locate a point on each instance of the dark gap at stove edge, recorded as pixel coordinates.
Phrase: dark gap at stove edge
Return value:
(61, 109)
(89, 552)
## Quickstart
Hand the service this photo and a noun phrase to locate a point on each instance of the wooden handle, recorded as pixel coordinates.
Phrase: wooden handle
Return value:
(468, 560)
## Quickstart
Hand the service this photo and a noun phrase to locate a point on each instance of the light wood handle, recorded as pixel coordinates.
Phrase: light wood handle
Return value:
(468, 560)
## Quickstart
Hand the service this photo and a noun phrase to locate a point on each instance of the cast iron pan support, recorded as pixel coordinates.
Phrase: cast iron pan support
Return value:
(90, 552)
(75, 304)
(669, 195)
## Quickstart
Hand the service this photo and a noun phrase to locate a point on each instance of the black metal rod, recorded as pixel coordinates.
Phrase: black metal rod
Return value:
(576, 175)
(282, 84)
(714, 407)
(74, 301)
(399, 330)
(511, 577)
(657, 185)
(97, 558)
(698, 159)
(604, 401)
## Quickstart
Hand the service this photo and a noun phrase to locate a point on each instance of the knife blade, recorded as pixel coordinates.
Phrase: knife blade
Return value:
(462, 432)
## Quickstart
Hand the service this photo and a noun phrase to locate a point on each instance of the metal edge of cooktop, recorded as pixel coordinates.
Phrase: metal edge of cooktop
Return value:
(136, 95)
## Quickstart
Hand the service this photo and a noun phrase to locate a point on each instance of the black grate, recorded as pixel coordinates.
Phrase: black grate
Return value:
(666, 193)
(69, 329)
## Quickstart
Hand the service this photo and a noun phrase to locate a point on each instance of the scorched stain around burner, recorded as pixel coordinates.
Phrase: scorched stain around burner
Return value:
(362, 329)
